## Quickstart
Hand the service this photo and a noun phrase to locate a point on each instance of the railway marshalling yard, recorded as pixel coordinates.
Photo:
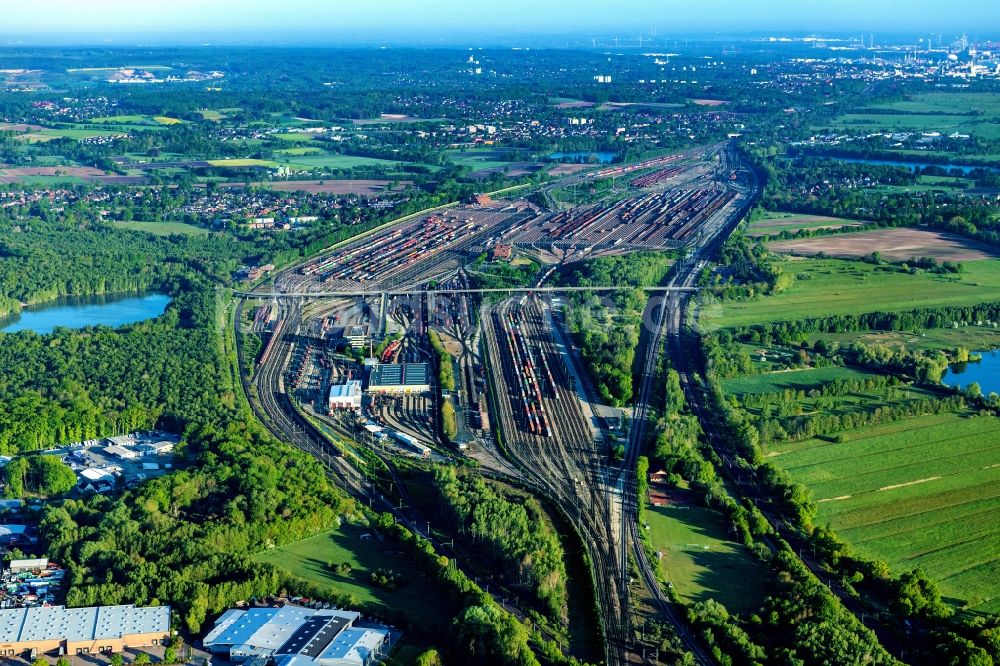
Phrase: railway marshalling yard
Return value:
(667, 207)
(515, 369)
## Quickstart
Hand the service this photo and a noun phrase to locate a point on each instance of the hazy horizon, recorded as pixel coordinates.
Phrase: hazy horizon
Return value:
(454, 22)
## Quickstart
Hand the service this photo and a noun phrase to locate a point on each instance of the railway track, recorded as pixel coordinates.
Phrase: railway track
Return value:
(564, 463)
(408, 515)
(666, 315)
(274, 406)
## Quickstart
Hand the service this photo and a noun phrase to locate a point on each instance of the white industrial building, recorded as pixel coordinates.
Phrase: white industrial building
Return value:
(121, 452)
(296, 636)
(160, 448)
(95, 480)
(19, 566)
(345, 396)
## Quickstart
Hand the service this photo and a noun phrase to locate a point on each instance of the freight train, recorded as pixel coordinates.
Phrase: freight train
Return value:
(524, 372)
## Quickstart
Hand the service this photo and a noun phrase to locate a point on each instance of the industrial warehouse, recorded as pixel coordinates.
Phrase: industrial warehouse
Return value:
(75, 631)
(296, 636)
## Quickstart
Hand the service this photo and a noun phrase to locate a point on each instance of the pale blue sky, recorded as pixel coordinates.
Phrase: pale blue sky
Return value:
(283, 18)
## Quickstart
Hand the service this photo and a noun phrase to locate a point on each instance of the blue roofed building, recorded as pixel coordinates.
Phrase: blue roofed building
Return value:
(296, 636)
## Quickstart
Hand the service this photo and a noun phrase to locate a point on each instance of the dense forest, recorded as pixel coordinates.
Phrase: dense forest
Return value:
(75, 385)
(606, 326)
(184, 538)
(512, 533)
(41, 475)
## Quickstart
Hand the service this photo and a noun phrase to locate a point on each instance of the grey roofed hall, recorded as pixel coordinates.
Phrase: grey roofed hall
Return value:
(94, 622)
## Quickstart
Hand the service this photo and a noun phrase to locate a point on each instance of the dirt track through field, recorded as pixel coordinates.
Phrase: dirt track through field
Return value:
(909, 483)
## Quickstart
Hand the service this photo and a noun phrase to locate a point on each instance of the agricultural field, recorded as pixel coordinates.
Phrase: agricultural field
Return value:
(420, 598)
(979, 126)
(700, 560)
(44, 181)
(48, 133)
(774, 223)
(47, 175)
(897, 244)
(243, 163)
(949, 104)
(366, 187)
(299, 151)
(278, 119)
(163, 228)
(838, 286)
(330, 161)
(294, 137)
(798, 380)
(121, 120)
(946, 182)
(18, 127)
(924, 184)
(921, 492)
(975, 114)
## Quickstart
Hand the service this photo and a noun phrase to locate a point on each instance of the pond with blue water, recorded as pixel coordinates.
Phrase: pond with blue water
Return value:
(986, 373)
(114, 311)
(965, 168)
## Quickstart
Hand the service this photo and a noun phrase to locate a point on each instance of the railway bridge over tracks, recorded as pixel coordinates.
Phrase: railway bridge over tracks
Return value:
(346, 293)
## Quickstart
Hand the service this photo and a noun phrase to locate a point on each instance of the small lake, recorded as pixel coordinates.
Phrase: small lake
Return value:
(598, 156)
(986, 373)
(111, 311)
(913, 165)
